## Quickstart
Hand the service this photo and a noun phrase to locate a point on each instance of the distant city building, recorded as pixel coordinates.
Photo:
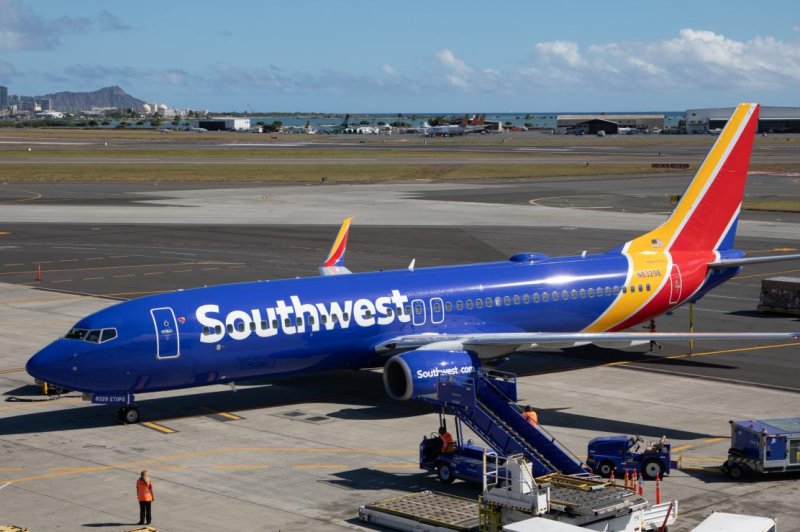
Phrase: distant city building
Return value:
(770, 119)
(44, 104)
(3, 97)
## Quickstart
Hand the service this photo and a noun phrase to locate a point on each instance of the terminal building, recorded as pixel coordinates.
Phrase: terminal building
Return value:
(770, 119)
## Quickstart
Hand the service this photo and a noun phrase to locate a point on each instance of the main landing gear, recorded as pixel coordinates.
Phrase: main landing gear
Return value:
(129, 414)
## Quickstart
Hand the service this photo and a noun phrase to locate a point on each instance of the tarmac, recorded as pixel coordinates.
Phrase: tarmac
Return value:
(304, 453)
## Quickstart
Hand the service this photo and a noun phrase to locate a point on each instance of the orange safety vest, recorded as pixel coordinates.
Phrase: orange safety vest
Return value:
(531, 417)
(447, 440)
(144, 490)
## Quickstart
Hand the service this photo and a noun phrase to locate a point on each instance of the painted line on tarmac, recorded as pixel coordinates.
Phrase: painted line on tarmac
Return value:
(13, 370)
(723, 379)
(714, 440)
(157, 427)
(240, 467)
(320, 466)
(682, 448)
(755, 275)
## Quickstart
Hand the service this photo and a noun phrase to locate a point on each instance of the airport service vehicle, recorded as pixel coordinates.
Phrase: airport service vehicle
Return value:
(465, 462)
(763, 446)
(629, 453)
(418, 323)
(514, 499)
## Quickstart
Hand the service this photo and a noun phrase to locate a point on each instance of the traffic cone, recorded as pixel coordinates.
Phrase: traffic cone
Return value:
(658, 490)
(38, 271)
(627, 480)
(611, 476)
(641, 486)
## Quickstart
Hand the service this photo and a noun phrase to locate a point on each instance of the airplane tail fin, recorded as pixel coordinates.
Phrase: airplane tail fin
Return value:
(346, 120)
(705, 218)
(334, 263)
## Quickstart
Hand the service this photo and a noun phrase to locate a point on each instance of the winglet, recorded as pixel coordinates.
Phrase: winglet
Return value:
(334, 263)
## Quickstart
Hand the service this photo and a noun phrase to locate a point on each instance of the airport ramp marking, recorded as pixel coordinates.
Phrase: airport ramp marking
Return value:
(240, 467)
(714, 440)
(682, 448)
(220, 416)
(157, 427)
(12, 370)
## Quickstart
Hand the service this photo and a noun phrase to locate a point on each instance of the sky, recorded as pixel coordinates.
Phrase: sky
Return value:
(409, 56)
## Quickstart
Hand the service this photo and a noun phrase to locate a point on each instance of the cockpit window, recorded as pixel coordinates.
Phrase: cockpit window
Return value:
(76, 334)
(95, 336)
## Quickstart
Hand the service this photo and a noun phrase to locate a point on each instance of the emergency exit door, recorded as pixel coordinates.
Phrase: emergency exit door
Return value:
(167, 335)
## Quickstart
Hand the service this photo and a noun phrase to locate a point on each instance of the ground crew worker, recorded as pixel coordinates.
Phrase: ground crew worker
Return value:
(144, 492)
(530, 415)
(652, 328)
(447, 440)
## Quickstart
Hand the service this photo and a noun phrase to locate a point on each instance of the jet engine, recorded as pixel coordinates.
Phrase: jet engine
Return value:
(417, 372)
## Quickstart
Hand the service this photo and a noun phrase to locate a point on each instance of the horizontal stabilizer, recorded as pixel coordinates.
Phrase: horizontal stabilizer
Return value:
(729, 263)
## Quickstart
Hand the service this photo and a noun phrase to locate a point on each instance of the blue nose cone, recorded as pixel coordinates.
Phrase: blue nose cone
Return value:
(49, 364)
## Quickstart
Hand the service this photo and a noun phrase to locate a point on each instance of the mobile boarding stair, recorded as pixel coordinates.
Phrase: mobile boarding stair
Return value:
(486, 403)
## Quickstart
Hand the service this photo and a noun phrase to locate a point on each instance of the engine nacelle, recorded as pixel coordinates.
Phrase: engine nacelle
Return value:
(417, 372)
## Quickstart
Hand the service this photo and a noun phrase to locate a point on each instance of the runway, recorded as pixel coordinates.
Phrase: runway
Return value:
(304, 453)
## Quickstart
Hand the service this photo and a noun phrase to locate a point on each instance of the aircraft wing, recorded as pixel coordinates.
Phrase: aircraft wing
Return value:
(492, 345)
(728, 263)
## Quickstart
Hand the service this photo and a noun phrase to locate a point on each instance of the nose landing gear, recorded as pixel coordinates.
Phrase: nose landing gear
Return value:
(129, 414)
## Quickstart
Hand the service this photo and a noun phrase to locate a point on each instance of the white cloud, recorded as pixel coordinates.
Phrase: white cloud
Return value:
(448, 60)
(697, 59)
(390, 71)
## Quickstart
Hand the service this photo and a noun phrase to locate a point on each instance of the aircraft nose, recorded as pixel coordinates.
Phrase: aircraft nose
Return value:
(47, 363)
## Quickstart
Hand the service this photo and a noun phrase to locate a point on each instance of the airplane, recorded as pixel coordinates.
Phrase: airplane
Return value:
(445, 130)
(420, 324)
(334, 128)
(307, 129)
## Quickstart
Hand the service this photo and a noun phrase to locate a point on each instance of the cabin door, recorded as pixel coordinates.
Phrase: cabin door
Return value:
(167, 334)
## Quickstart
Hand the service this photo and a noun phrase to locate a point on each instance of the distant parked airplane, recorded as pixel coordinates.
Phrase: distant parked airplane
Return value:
(420, 324)
(334, 128)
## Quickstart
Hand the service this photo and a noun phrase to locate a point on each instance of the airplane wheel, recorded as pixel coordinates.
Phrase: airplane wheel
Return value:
(129, 415)
(445, 474)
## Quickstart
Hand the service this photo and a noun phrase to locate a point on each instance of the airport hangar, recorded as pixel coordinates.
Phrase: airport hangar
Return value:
(771, 119)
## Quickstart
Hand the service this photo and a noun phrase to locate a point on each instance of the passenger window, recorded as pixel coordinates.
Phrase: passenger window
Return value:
(389, 312)
(545, 297)
(323, 319)
(368, 314)
(448, 306)
(218, 329)
(311, 320)
(498, 302)
(469, 304)
(573, 294)
(287, 322)
(408, 311)
(334, 318)
(459, 305)
(583, 293)
(108, 334)
(624, 289)
(535, 298)
(479, 303)
(608, 290)
(555, 296)
(599, 291)
(633, 289)
(640, 288)
(516, 300)
(488, 302)
(299, 321)
(616, 290)
(206, 331)
(345, 316)
(252, 326)
(437, 307)
(526, 298)
(274, 324)
(240, 326)
(591, 292)
(647, 286)
(564, 295)
(229, 328)
(506, 301)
